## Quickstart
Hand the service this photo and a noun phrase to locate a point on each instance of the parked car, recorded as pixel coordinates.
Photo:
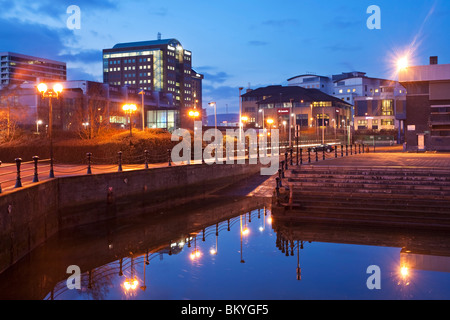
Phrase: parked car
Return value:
(322, 147)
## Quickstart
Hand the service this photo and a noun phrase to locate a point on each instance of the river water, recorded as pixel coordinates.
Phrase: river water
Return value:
(231, 249)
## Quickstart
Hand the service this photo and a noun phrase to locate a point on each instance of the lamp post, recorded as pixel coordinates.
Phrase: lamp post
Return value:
(263, 121)
(240, 114)
(50, 93)
(130, 108)
(142, 93)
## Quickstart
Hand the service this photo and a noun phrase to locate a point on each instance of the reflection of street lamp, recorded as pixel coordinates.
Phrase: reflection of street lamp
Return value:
(130, 108)
(50, 93)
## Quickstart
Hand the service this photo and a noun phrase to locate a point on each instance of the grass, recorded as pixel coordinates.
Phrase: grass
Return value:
(72, 150)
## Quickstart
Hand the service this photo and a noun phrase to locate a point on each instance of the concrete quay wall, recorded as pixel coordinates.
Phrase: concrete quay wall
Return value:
(29, 216)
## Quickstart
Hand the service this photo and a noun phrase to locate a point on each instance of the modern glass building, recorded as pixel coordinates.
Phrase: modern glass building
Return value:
(162, 66)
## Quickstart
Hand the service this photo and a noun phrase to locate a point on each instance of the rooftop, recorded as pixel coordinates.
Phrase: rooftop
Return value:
(171, 42)
(278, 93)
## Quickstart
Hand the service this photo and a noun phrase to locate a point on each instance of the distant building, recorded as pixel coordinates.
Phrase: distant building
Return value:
(19, 68)
(384, 111)
(89, 103)
(160, 66)
(309, 107)
(347, 86)
(427, 120)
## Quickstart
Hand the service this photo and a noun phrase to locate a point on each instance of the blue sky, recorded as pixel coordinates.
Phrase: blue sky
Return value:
(235, 43)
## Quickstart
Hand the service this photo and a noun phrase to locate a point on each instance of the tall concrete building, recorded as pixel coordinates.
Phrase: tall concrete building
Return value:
(427, 120)
(161, 65)
(22, 69)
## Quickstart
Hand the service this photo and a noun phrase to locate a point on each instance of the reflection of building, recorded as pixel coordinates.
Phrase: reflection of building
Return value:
(18, 69)
(160, 66)
(427, 106)
(310, 107)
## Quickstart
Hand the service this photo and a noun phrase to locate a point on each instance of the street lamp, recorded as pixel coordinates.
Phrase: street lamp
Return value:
(130, 108)
(50, 93)
(215, 113)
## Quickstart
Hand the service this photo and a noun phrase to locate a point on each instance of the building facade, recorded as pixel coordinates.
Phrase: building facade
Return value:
(353, 88)
(427, 120)
(19, 69)
(87, 104)
(308, 107)
(384, 111)
(159, 66)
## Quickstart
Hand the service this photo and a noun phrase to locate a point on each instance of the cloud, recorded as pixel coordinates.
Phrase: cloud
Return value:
(219, 77)
(257, 43)
(87, 56)
(342, 48)
(29, 38)
(280, 22)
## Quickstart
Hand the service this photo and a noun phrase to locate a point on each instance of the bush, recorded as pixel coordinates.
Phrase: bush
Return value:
(104, 148)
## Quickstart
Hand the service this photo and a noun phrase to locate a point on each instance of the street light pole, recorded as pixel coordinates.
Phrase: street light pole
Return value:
(50, 93)
(130, 108)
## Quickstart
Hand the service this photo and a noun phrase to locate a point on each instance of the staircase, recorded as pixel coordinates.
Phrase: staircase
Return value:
(383, 197)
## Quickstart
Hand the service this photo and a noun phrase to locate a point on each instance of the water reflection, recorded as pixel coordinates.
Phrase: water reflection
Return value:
(232, 249)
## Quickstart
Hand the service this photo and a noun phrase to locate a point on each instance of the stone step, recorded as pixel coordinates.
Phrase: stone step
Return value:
(339, 194)
(373, 176)
(355, 209)
(443, 175)
(346, 180)
(362, 204)
(372, 187)
(365, 192)
(355, 221)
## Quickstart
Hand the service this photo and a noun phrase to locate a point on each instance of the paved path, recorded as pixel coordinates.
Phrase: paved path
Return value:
(392, 159)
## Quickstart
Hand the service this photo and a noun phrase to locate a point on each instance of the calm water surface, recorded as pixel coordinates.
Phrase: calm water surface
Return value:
(235, 251)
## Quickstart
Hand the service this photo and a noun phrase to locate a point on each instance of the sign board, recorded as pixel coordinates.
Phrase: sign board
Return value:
(283, 111)
(411, 128)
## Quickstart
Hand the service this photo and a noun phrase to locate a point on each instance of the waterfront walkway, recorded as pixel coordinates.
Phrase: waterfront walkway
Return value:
(392, 157)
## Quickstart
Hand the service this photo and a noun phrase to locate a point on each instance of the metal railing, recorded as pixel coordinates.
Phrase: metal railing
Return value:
(312, 155)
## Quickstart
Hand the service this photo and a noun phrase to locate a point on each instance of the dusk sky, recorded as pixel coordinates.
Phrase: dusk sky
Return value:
(235, 43)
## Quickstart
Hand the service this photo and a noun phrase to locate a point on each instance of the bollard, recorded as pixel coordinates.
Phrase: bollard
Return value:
(169, 156)
(279, 177)
(317, 155)
(278, 186)
(286, 159)
(342, 150)
(346, 149)
(52, 172)
(323, 154)
(89, 155)
(35, 178)
(18, 179)
(120, 161)
(309, 155)
(292, 156)
(301, 156)
(335, 152)
(351, 149)
(146, 158)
